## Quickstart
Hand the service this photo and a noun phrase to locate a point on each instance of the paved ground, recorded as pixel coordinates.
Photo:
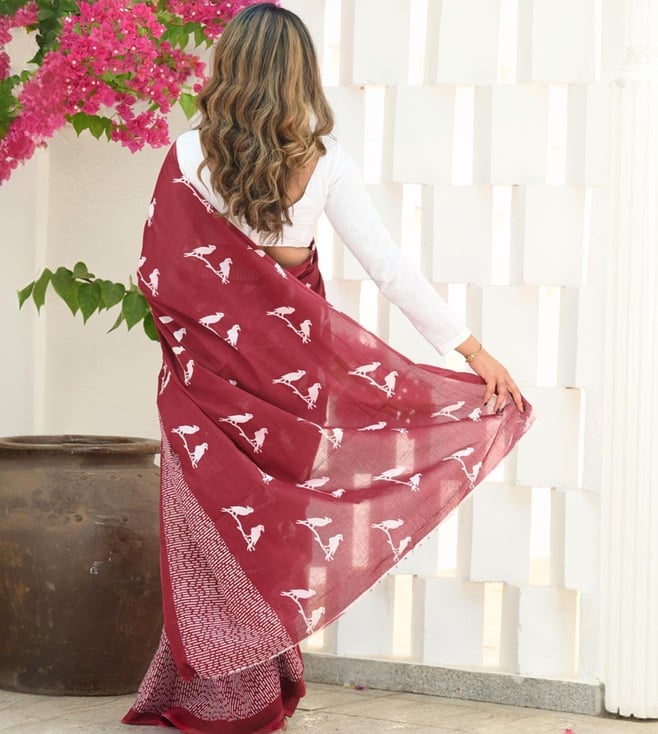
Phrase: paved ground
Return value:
(325, 710)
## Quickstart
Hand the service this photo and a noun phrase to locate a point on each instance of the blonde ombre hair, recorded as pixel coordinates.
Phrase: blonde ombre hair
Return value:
(263, 115)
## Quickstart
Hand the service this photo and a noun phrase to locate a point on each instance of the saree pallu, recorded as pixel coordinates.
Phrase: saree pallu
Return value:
(302, 457)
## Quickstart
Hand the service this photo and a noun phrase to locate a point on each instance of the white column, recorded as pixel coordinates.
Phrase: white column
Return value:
(629, 578)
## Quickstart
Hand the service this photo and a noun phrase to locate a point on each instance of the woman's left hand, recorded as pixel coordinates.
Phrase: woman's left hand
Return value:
(498, 380)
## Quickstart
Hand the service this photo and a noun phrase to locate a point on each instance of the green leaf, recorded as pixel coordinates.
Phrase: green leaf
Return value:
(24, 294)
(96, 126)
(80, 271)
(89, 297)
(80, 122)
(200, 38)
(9, 7)
(120, 319)
(149, 327)
(111, 293)
(39, 291)
(134, 308)
(188, 104)
(66, 288)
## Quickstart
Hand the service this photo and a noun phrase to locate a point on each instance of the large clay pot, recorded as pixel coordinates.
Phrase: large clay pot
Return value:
(79, 580)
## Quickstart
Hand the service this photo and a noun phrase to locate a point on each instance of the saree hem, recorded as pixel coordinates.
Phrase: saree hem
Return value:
(271, 718)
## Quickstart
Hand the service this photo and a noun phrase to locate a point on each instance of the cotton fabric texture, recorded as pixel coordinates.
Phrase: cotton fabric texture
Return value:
(302, 457)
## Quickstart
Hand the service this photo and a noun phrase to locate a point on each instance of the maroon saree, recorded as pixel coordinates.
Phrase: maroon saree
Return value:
(302, 457)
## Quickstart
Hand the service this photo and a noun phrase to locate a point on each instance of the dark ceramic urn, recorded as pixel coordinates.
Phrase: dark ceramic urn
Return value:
(79, 582)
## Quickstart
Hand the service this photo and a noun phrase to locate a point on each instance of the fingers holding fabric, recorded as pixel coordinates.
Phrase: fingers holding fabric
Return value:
(498, 381)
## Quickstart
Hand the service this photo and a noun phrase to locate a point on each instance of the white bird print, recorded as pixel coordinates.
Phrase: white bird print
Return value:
(186, 182)
(316, 615)
(448, 411)
(364, 369)
(153, 282)
(402, 547)
(338, 492)
(332, 546)
(164, 380)
(201, 252)
(295, 595)
(238, 510)
(142, 260)
(461, 453)
(390, 473)
(289, 377)
(374, 427)
(259, 439)
(329, 549)
(254, 536)
(179, 334)
(267, 478)
(314, 483)
(149, 220)
(305, 328)
(475, 415)
(475, 471)
(281, 311)
(299, 593)
(185, 430)
(414, 482)
(232, 336)
(198, 453)
(211, 318)
(389, 381)
(225, 269)
(334, 436)
(459, 457)
(188, 372)
(178, 350)
(315, 522)
(165, 319)
(312, 396)
(388, 476)
(235, 419)
(280, 270)
(386, 526)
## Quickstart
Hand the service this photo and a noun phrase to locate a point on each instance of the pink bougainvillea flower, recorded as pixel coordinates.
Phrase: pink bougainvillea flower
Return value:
(117, 68)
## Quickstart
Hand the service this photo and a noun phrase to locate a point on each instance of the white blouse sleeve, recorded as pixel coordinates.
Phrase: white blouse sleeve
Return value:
(357, 222)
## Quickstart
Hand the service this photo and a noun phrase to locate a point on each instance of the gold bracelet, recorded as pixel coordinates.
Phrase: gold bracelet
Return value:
(470, 357)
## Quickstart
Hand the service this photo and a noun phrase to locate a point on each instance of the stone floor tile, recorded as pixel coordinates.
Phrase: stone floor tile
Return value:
(59, 714)
(428, 710)
(326, 710)
(321, 695)
(334, 723)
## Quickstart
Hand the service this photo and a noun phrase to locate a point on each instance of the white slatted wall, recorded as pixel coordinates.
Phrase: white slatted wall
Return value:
(482, 129)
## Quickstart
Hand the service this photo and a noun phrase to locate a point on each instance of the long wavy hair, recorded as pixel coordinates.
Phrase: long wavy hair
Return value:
(263, 115)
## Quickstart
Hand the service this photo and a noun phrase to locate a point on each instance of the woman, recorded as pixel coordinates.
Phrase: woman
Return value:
(301, 456)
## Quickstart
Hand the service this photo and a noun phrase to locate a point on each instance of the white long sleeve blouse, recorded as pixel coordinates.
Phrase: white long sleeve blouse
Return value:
(336, 188)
